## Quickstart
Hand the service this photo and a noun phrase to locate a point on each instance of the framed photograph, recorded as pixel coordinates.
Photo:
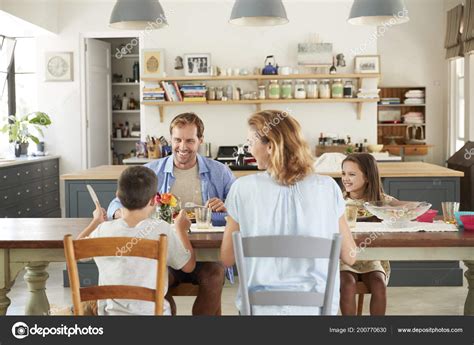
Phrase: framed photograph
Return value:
(367, 64)
(58, 66)
(153, 63)
(197, 64)
(315, 54)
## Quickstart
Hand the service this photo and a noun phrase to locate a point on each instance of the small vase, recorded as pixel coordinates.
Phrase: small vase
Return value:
(24, 148)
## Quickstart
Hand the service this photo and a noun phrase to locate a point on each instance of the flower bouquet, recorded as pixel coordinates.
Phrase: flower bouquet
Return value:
(167, 206)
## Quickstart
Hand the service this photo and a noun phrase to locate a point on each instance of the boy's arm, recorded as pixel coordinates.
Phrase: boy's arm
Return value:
(183, 224)
(99, 216)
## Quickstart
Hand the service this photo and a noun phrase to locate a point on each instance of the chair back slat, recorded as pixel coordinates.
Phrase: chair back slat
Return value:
(297, 247)
(116, 246)
(93, 293)
(281, 298)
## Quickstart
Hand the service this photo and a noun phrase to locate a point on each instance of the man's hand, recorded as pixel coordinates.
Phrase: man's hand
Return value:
(182, 221)
(117, 214)
(216, 204)
(99, 214)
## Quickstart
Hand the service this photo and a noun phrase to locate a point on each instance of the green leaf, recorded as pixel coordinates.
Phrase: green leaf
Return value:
(35, 139)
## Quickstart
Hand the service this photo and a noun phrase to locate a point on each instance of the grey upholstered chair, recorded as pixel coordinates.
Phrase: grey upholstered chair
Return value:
(298, 247)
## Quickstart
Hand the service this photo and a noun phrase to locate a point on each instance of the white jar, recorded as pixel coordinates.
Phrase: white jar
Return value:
(300, 91)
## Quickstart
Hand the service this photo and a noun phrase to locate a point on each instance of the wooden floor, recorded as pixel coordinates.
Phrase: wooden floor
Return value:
(401, 300)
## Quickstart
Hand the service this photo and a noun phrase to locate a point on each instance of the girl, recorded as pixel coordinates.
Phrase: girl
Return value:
(361, 182)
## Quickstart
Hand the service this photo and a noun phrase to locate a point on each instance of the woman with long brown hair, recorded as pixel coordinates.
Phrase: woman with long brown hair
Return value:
(287, 199)
(361, 181)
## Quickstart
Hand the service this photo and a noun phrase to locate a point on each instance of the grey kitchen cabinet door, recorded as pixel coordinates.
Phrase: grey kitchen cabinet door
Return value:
(78, 201)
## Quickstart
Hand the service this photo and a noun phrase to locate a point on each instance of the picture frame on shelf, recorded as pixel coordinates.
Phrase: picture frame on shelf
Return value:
(58, 66)
(367, 64)
(197, 64)
(153, 63)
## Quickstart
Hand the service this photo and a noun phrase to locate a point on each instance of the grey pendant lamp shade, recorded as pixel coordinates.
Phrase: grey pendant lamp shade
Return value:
(258, 13)
(137, 15)
(378, 12)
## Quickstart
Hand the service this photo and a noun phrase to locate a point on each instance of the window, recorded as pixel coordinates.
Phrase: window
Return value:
(19, 95)
(459, 105)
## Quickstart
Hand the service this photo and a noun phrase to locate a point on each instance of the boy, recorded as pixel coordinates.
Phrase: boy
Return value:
(136, 191)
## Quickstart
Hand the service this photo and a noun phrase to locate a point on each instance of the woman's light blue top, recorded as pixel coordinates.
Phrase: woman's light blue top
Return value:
(311, 207)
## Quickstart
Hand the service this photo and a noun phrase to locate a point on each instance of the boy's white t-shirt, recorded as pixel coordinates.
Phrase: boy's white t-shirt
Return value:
(123, 270)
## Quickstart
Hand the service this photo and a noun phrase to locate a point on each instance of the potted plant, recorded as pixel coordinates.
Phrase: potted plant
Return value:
(19, 130)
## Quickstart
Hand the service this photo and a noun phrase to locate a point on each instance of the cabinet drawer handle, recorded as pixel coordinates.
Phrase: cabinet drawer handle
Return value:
(39, 205)
(55, 167)
(47, 202)
(27, 190)
(5, 197)
(4, 177)
(27, 210)
(19, 212)
(46, 186)
(39, 187)
(38, 170)
(17, 174)
(45, 168)
(19, 193)
(27, 172)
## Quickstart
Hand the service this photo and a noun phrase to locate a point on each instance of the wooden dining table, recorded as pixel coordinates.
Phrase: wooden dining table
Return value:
(32, 243)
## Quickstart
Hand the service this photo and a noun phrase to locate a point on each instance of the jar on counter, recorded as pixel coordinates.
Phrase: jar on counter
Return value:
(337, 89)
(286, 87)
(312, 89)
(262, 92)
(211, 94)
(348, 89)
(219, 94)
(300, 91)
(324, 89)
(274, 90)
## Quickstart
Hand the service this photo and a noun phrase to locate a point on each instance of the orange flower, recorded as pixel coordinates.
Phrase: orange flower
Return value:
(166, 198)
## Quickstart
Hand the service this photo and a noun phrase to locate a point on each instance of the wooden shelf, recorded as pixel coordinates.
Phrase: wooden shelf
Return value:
(399, 124)
(401, 105)
(126, 111)
(125, 84)
(125, 139)
(266, 77)
(259, 102)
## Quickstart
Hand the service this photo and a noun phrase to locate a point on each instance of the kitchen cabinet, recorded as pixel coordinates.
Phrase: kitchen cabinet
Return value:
(30, 188)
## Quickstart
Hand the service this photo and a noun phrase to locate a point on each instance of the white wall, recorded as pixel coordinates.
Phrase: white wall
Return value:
(413, 54)
(203, 27)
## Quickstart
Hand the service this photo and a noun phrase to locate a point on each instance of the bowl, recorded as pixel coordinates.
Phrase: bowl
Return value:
(468, 222)
(427, 217)
(458, 215)
(397, 214)
(375, 148)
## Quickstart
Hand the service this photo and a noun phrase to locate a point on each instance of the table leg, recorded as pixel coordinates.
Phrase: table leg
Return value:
(36, 277)
(469, 274)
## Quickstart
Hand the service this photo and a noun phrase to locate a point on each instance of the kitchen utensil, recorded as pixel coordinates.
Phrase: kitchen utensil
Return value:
(270, 69)
(468, 222)
(428, 216)
(458, 215)
(93, 195)
(397, 214)
(415, 134)
(449, 209)
(375, 148)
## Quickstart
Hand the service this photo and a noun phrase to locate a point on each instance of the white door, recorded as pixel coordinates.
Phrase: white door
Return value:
(98, 102)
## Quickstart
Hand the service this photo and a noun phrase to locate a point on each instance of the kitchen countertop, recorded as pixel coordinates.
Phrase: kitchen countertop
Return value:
(6, 162)
(402, 169)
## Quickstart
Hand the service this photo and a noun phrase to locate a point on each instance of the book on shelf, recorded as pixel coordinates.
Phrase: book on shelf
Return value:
(195, 99)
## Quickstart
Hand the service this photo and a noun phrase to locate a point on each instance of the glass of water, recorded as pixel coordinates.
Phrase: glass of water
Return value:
(203, 217)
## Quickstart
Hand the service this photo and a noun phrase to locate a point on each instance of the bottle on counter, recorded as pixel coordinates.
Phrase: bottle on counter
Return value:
(348, 89)
(219, 94)
(125, 101)
(312, 89)
(262, 92)
(286, 88)
(132, 104)
(126, 130)
(211, 94)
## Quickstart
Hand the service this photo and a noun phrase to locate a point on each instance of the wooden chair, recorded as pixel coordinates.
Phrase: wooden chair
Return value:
(88, 248)
(297, 247)
(361, 290)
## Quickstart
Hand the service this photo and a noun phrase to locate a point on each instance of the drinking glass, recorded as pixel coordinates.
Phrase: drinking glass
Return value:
(351, 216)
(203, 217)
(449, 208)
